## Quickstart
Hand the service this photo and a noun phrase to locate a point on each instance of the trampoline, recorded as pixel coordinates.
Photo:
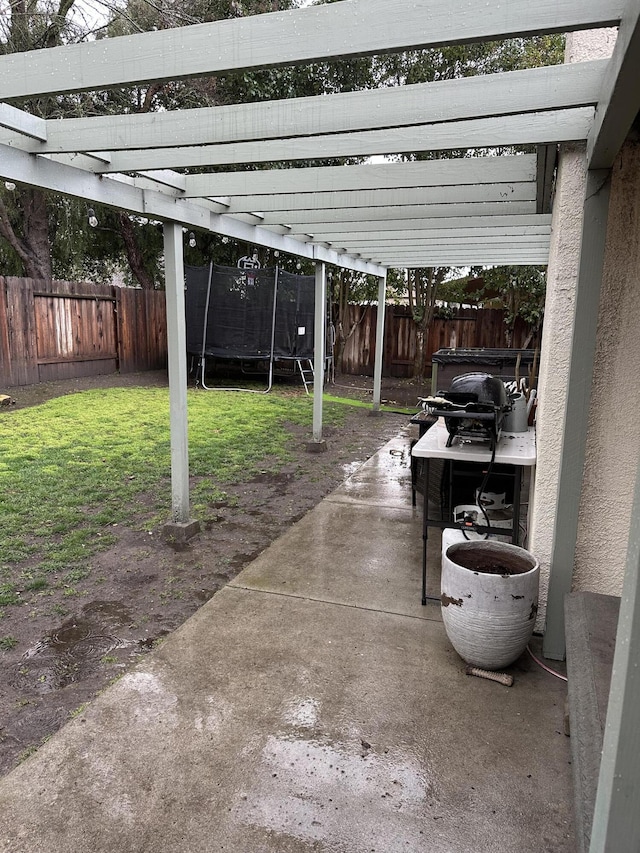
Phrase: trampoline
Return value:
(260, 316)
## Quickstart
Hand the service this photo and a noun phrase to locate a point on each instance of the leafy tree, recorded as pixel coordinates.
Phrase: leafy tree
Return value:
(424, 287)
(42, 235)
(29, 217)
(521, 291)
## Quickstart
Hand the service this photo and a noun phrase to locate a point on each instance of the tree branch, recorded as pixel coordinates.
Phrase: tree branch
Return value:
(6, 229)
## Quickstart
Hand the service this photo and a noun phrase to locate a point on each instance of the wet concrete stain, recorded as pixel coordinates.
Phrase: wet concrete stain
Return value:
(300, 787)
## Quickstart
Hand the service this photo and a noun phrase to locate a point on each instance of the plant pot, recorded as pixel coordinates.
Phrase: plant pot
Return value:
(489, 600)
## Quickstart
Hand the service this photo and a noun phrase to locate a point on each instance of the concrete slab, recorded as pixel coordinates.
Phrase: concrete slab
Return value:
(274, 724)
(358, 555)
(383, 480)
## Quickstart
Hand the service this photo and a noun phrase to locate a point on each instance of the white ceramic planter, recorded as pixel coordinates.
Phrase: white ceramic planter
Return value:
(489, 600)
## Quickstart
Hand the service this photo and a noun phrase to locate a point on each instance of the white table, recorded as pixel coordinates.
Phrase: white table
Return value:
(514, 448)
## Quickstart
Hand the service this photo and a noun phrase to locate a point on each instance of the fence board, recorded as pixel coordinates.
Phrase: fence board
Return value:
(21, 368)
(142, 330)
(75, 331)
(5, 349)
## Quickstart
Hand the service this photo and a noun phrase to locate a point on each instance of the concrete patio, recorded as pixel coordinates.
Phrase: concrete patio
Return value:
(313, 704)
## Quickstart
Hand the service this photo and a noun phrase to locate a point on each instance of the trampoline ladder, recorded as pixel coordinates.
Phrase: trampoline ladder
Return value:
(307, 374)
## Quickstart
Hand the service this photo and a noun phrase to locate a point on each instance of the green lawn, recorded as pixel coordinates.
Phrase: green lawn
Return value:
(72, 468)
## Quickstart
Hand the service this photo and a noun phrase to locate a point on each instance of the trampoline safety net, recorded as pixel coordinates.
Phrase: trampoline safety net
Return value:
(234, 313)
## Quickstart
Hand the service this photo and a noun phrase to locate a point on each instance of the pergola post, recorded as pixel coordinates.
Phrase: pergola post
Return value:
(377, 369)
(180, 526)
(319, 333)
(574, 430)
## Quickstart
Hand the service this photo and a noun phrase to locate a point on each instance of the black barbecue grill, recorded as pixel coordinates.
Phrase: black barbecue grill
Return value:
(473, 408)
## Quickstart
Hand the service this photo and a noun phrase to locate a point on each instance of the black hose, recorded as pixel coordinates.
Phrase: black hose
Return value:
(481, 492)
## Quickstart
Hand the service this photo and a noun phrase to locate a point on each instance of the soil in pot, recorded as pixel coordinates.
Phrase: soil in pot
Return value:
(492, 562)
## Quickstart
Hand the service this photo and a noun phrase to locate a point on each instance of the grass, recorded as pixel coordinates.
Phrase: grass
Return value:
(361, 404)
(76, 466)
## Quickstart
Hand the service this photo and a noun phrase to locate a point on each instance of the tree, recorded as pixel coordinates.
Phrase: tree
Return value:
(27, 218)
(349, 287)
(521, 291)
(423, 286)
(41, 234)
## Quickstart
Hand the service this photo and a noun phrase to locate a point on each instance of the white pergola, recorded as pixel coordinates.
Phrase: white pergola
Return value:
(473, 210)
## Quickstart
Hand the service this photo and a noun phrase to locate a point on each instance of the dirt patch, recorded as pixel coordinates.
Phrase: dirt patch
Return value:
(70, 645)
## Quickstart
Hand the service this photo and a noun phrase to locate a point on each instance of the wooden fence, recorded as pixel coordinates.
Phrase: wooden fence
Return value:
(61, 330)
(469, 327)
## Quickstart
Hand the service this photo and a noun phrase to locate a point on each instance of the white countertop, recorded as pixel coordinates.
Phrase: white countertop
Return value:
(514, 448)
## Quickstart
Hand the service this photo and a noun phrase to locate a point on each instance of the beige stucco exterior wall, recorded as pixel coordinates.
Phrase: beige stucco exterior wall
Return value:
(613, 440)
(555, 351)
(562, 275)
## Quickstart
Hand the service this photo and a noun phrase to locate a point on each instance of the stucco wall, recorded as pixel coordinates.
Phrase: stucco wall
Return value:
(613, 440)
(555, 351)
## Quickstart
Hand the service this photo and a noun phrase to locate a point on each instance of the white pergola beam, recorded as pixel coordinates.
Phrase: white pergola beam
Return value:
(349, 28)
(18, 166)
(469, 260)
(23, 123)
(429, 173)
(466, 194)
(471, 254)
(165, 177)
(556, 87)
(390, 228)
(528, 129)
(354, 219)
(512, 250)
(448, 212)
(408, 244)
(284, 207)
(619, 103)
